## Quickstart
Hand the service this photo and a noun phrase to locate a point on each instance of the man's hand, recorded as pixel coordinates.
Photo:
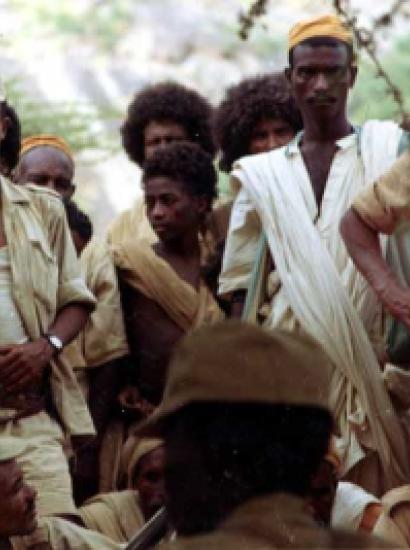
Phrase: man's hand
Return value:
(131, 401)
(22, 365)
(396, 299)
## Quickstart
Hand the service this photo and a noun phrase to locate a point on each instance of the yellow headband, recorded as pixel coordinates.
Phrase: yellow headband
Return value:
(326, 25)
(31, 142)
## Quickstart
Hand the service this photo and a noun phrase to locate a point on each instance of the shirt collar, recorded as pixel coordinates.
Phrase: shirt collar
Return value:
(13, 193)
(344, 143)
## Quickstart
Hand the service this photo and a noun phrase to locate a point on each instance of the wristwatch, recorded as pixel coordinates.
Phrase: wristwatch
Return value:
(55, 342)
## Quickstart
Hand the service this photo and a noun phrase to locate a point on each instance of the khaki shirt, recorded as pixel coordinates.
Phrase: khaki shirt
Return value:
(386, 203)
(45, 278)
(274, 521)
(103, 338)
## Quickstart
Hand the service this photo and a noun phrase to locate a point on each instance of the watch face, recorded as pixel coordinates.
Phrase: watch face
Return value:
(56, 342)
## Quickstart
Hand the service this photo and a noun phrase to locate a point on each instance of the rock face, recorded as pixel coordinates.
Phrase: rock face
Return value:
(100, 53)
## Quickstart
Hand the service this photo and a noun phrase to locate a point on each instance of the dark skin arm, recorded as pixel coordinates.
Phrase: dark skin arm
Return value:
(362, 243)
(22, 365)
(238, 304)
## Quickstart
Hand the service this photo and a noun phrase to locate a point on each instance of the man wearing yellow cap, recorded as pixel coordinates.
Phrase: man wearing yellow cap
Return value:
(243, 440)
(46, 160)
(288, 207)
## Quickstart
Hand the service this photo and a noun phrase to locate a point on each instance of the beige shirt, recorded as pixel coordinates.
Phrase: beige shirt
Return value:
(116, 515)
(103, 338)
(386, 203)
(45, 277)
(274, 521)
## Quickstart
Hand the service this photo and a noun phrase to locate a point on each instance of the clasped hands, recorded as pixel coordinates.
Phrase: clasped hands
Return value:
(22, 365)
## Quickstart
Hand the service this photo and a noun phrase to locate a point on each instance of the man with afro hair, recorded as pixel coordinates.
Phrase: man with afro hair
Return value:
(157, 116)
(162, 288)
(256, 116)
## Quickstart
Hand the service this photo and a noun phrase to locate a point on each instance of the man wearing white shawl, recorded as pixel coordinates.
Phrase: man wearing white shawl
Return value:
(288, 206)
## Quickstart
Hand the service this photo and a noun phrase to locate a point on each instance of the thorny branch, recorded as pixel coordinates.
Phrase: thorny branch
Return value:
(247, 20)
(366, 40)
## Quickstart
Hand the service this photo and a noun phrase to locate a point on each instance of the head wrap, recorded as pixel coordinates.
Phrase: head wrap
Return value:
(10, 448)
(135, 451)
(233, 362)
(326, 25)
(41, 140)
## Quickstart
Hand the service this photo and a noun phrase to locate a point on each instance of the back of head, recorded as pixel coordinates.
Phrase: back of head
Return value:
(244, 414)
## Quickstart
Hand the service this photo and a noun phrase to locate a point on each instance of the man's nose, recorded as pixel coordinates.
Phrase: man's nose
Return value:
(273, 142)
(321, 82)
(157, 211)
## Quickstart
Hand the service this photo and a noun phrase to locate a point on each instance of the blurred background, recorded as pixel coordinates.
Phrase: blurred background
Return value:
(71, 66)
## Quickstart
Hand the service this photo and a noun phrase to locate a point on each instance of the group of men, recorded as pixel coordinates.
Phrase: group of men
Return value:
(124, 387)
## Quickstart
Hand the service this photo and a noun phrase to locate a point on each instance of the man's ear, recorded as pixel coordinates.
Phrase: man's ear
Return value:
(72, 190)
(353, 71)
(202, 204)
(4, 126)
(288, 72)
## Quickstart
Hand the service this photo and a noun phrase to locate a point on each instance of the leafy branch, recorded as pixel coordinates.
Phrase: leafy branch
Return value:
(366, 40)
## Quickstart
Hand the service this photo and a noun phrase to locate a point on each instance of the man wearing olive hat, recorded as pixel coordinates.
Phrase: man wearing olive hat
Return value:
(245, 424)
(288, 208)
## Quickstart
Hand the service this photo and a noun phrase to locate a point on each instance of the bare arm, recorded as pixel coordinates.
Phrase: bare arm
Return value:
(362, 243)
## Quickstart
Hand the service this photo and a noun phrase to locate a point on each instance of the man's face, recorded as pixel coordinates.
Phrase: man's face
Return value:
(49, 167)
(269, 134)
(321, 78)
(172, 211)
(149, 481)
(17, 502)
(158, 134)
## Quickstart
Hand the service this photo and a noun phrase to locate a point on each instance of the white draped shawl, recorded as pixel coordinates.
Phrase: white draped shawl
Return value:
(320, 285)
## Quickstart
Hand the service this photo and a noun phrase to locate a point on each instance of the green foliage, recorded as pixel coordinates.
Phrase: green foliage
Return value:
(82, 126)
(370, 98)
(101, 21)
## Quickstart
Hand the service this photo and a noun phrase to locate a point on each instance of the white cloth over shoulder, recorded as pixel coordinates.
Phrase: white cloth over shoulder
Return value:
(322, 293)
(349, 506)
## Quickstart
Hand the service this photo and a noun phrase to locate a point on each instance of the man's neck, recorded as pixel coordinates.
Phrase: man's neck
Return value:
(186, 246)
(323, 130)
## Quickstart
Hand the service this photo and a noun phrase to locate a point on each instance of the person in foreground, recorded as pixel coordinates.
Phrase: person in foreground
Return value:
(242, 448)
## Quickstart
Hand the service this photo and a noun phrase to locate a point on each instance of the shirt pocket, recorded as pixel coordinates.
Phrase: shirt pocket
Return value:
(44, 276)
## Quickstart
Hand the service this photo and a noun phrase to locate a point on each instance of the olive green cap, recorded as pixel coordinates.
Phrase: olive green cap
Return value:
(233, 362)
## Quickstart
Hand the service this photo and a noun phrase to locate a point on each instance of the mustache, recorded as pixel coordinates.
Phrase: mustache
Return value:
(320, 97)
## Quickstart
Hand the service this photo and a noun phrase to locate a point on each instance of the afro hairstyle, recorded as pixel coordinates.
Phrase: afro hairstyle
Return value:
(10, 146)
(187, 164)
(78, 220)
(167, 101)
(266, 96)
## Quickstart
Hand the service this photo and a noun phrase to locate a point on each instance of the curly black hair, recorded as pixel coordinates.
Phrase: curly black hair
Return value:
(78, 220)
(244, 106)
(167, 101)
(186, 163)
(10, 146)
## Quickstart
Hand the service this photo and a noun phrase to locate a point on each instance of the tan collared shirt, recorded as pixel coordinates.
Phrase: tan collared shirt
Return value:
(45, 277)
